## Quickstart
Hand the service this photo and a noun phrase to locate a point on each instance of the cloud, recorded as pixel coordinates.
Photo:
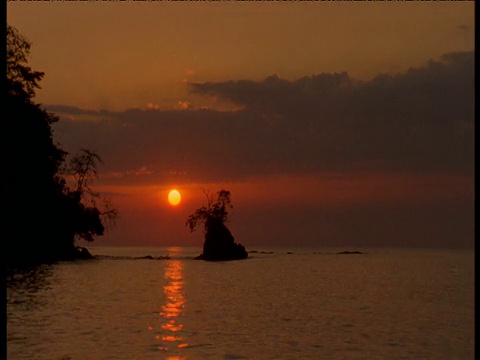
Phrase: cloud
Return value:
(184, 105)
(418, 121)
(152, 106)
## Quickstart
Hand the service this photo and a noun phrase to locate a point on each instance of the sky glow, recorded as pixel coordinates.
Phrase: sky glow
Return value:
(331, 123)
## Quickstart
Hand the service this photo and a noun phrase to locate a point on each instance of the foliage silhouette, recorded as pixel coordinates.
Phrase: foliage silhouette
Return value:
(52, 215)
(219, 244)
(215, 211)
(21, 79)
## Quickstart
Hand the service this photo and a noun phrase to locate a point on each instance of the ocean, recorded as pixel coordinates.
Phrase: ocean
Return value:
(280, 303)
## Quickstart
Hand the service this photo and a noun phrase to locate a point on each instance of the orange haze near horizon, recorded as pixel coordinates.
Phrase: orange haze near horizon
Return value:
(279, 195)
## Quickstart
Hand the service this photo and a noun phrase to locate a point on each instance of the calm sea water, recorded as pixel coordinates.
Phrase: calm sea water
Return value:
(311, 304)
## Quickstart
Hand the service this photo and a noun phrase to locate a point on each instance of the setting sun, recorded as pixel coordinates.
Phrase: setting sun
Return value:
(174, 197)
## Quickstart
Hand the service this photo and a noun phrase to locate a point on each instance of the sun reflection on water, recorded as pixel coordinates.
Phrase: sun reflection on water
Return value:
(172, 310)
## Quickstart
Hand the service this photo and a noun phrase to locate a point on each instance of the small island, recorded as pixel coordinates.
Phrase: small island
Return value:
(219, 244)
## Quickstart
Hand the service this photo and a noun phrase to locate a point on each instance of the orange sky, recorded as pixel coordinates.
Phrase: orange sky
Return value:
(131, 54)
(266, 206)
(347, 158)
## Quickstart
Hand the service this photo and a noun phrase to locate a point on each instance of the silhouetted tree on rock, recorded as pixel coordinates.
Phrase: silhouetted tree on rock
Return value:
(219, 242)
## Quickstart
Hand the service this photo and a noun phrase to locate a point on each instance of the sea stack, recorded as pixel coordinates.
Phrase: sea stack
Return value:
(220, 244)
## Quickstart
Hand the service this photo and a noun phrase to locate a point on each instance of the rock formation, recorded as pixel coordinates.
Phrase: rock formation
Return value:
(220, 245)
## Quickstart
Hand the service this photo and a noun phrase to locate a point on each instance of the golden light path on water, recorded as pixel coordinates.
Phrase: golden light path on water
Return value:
(172, 309)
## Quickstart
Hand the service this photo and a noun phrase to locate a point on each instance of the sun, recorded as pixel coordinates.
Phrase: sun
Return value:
(174, 197)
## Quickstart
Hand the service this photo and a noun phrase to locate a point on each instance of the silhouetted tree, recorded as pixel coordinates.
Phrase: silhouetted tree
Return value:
(215, 211)
(219, 242)
(83, 168)
(92, 221)
(21, 79)
(48, 215)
